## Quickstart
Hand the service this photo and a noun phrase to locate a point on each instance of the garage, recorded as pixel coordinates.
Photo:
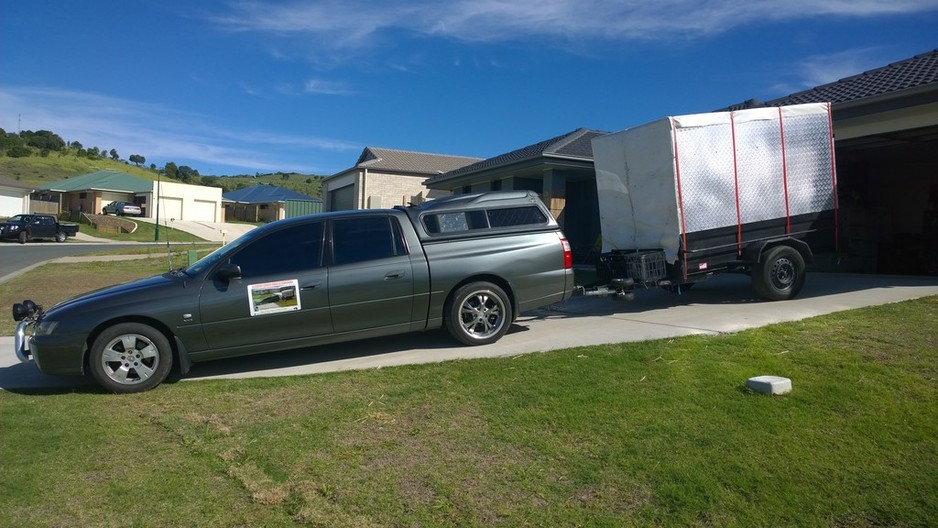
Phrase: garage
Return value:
(170, 209)
(889, 202)
(202, 211)
(886, 130)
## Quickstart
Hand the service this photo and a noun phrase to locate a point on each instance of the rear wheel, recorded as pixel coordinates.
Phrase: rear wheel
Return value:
(130, 357)
(478, 313)
(780, 274)
(60, 236)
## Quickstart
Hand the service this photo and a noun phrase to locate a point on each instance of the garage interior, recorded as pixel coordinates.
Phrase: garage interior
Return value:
(888, 189)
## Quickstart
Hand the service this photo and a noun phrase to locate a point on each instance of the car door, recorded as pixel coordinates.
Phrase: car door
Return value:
(279, 300)
(371, 279)
(42, 227)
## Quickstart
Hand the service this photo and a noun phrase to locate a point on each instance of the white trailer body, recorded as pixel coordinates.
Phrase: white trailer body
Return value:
(714, 191)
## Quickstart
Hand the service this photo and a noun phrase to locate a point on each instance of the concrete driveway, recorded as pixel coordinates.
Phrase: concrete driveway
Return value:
(724, 304)
(211, 231)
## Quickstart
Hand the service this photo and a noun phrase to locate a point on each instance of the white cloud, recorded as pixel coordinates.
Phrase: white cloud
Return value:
(350, 24)
(818, 70)
(155, 131)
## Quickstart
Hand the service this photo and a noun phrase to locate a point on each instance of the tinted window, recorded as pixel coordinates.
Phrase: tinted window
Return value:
(291, 250)
(366, 238)
(455, 222)
(516, 216)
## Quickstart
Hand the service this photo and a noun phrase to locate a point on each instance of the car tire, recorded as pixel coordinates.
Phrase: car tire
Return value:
(130, 357)
(478, 313)
(780, 274)
(23, 237)
(60, 236)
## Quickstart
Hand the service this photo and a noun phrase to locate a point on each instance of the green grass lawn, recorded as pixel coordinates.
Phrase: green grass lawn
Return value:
(145, 233)
(662, 433)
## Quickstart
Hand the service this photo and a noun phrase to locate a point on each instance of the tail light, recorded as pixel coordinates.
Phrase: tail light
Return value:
(567, 253)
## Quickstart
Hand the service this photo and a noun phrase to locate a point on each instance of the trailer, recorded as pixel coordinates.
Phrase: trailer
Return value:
(682, 198)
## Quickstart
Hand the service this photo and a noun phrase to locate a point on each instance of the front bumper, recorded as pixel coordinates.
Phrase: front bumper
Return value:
(20, 342)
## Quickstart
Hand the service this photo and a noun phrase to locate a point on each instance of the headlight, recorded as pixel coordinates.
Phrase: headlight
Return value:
(44, 327)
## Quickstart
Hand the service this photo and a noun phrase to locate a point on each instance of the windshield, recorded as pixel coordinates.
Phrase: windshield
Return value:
(16, 218)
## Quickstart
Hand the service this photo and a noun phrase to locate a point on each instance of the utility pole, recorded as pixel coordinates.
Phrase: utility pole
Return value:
(156, 231)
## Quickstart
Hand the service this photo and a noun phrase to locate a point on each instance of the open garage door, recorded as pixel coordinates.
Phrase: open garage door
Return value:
(888, 187)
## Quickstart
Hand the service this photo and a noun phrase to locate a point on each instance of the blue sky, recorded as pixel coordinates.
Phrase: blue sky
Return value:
(242, 86)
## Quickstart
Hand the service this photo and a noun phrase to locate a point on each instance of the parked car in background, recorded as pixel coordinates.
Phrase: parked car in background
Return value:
(122, 209)
(26, 227)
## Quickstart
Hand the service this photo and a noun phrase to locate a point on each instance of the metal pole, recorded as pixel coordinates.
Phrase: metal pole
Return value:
(156, 232)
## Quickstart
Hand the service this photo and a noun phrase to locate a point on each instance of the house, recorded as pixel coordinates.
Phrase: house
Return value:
(384, 178)
(886, 127)
(89, 193)
(14, 197)
(559, 169)
(267, 203)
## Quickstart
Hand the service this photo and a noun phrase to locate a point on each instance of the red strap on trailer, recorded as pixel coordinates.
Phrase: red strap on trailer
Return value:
(739, 216)
(781, 133)
(680, 197)
(830, 129)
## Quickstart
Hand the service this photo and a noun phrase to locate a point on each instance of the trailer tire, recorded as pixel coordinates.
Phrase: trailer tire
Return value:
(779, 275)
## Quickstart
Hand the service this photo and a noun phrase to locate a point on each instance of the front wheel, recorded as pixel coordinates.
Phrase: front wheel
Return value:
(130, 357)
(24, 236)
(478, 313)
(780, 274)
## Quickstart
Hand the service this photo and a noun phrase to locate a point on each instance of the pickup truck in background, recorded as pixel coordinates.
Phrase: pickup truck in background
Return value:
(26, 227)
(468, 263)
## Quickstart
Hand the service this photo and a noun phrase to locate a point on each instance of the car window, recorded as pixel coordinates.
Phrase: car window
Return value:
(366, 238)
(516, 216)
(289, 250)
(455, 222)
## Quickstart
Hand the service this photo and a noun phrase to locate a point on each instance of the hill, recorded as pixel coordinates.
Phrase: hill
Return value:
(38, 170)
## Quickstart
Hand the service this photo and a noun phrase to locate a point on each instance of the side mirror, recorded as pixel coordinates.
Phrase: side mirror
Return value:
(226, 272)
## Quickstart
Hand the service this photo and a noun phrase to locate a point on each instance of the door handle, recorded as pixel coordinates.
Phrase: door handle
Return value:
(394, 275)
(311, 286)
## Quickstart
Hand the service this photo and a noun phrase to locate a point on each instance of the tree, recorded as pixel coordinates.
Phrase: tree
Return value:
(187, 174)
(137, 159)
(114, 155)
(43, 139)
(170, 170)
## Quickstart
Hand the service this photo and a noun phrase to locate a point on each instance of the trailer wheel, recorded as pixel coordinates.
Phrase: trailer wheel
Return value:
(478, 313)
(780, 274)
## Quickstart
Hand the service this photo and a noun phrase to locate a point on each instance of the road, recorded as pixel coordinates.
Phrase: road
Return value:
(18, 258)
(724, 304)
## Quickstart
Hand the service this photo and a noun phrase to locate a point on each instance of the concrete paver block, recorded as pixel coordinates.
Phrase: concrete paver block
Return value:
(774, 385)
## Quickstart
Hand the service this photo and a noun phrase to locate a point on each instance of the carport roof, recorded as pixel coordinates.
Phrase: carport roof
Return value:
(100, 181)
(261, 194)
